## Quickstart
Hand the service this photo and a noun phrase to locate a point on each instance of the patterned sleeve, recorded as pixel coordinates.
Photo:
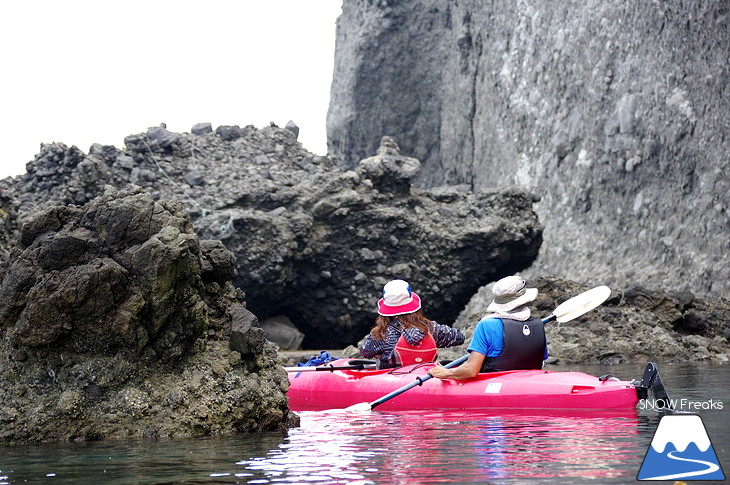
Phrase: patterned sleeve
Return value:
(446, 336)
(372, 346)
(413, 335)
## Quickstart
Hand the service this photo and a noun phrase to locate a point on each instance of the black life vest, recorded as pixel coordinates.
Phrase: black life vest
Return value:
(524, 346)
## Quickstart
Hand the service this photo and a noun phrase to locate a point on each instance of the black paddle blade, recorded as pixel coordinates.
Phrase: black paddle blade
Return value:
(652, 380)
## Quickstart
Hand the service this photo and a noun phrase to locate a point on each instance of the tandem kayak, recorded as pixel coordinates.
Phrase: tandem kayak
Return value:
(340, 387)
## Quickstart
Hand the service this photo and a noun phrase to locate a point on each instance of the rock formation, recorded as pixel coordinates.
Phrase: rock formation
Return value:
(634, 325)
(615, 113)
(312, 242)
(117, 321)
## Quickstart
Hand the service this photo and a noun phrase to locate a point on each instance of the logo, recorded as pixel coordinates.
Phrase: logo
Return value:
(680, 448)
(525, 330)
(681, 405)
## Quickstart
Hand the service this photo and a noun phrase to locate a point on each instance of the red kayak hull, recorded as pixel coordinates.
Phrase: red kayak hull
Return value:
(518, 389)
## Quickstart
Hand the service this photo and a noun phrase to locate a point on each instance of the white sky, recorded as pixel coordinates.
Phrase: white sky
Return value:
(95, 71)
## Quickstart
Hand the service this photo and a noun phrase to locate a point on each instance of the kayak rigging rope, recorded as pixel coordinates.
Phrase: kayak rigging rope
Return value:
(407, 369)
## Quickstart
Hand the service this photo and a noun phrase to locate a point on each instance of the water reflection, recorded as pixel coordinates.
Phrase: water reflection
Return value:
(497, 446)
(463, 446)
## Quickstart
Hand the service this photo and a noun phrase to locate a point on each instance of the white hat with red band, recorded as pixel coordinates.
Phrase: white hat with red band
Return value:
(398, 299)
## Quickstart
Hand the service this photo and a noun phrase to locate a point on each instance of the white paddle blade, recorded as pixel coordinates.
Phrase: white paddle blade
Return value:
(583, 303)
(300, 369)
(361, 407)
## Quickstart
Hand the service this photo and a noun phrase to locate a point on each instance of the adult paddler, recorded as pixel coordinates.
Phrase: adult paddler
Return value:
(507, 338)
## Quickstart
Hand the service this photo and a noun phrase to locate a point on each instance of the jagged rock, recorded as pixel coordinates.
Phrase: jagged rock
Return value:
(291, 126)
(194, 178)
(217, 263)
(633, 325)
(161, 136)
(323, 258)
(247, 337)
(389, 170)
(118, 322)
(229, 133)
(626, 146)
(314, 242)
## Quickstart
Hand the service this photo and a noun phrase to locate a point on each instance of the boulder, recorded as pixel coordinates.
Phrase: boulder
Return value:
(281, 331)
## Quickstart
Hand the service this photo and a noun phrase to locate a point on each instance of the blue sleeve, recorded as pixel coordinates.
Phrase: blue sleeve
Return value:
(488, 339)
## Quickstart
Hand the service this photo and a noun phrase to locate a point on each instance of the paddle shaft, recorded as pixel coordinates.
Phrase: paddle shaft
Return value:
(328, 368)
(568, 310)
(417, 382)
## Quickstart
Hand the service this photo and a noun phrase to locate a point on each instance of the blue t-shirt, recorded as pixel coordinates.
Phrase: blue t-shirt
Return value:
(488, 338)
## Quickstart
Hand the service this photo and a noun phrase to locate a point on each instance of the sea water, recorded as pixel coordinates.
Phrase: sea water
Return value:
(495, 446)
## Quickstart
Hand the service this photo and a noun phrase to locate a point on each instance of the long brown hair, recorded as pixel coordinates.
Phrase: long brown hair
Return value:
(409, 320)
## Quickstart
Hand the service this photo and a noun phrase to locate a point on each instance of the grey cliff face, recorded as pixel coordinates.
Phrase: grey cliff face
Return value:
(615, 113)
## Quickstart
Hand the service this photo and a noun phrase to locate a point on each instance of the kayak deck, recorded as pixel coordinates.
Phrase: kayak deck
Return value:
(510, 389)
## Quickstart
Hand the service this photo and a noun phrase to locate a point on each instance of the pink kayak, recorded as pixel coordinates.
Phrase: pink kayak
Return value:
(341, 387)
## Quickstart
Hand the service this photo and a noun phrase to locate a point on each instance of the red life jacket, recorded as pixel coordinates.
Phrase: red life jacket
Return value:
(406, 354)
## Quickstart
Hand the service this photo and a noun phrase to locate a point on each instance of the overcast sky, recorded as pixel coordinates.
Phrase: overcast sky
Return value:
(92, 71)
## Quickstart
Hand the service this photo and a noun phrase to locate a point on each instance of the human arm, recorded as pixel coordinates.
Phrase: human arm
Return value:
(446, 336)
(467, 370)
(372, 346)
(486, 342)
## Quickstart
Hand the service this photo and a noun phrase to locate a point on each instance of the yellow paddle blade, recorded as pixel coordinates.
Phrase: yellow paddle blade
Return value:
(583, 303)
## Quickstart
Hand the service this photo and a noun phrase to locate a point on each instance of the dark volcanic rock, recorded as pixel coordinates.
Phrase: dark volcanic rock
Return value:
(118, 272)
(633, 325)
(616, 113)
(323, 256)
(116, 321)
(311, 241)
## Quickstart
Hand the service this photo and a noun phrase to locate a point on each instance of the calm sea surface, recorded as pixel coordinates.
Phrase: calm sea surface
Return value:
(404, 447)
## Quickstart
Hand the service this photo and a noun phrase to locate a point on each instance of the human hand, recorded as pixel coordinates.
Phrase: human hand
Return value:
(439, 371)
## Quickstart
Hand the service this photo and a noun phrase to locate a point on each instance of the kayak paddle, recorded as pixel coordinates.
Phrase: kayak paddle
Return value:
(580, 304)
(356, 364)
(566, 311)
(368, 406)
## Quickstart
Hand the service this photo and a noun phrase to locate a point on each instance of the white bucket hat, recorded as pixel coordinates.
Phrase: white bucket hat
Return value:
(511, 293)
(398, 299)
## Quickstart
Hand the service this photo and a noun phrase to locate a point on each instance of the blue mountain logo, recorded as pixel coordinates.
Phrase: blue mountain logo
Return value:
(680, 448)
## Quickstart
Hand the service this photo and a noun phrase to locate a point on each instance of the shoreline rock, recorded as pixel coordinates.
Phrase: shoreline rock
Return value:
(117, 322)
(312, 242)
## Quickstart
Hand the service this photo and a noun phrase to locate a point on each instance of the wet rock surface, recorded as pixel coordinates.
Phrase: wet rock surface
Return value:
(116, 321)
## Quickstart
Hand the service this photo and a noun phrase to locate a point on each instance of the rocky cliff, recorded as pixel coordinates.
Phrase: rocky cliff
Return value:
(311, 242)
(615, 113)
